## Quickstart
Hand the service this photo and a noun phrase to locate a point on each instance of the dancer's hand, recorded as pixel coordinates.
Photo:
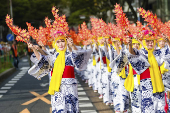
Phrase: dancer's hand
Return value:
(30, 45)
(40, 44)
(34, 48)
(70, 42)
(165, 37)
(37, 47)
(128, 40)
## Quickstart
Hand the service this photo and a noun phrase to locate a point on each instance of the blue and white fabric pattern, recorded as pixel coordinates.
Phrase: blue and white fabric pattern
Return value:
(151, 103)
(66, 100)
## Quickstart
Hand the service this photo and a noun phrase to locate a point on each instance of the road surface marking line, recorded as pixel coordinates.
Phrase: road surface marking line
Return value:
(88, 111)
(20, 75)
(85, 105)
(30, 101)
(3, 91)
(78, 85)
(37, 98)
(25, 111)
(23, 68)
(50, 110)
(42, 97)
(83, 98)
(25, 60)
(5, 87)
(80, 88)
(12, 82)
(1, 96)
(14, 79)
(9, 84)
(81, 93)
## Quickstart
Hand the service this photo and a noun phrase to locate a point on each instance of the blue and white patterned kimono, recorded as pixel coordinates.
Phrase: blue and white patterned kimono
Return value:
(87, 72)
(150, 102)
(120, 94)
(78, 72)
(102, 71)
(111, 55)
(92, 78)
(166, 75)
(95, 69)
(83, 72)
(135, 96)
(107, 83)
(66, 100)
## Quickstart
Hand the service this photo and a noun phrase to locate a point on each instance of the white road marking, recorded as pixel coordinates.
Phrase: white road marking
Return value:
(9, 84)
(83, 98)
(44, 84)
(88, 111)
(20, 75)
(81, 93)
(1, 96)
(3, 91)
(12, 82)
(79, 85)
(25, 68)
(25, 60)
(85, 105)
(80, 88)
(5, 87)
(15, 79)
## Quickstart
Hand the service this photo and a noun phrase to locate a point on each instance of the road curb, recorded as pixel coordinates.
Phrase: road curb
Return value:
(7, 72)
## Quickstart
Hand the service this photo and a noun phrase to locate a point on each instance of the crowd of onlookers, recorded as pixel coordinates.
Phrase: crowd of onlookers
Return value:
(4, 48)
(12, 51)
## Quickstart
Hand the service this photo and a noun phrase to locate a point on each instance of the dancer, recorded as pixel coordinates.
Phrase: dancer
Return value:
(120, 94)
(132, 83)
(146, 63)
(63, 85)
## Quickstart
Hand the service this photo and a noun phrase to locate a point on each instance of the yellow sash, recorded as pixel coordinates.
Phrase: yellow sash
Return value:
(129, 81)
(163, 69)
(108, 62)
(58, 69)
(94, 61)
(155, 73)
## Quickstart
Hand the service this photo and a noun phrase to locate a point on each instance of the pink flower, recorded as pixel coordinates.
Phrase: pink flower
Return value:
(130, 35)
(146, 32)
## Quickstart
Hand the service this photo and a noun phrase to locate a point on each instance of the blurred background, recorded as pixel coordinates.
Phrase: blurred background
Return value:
(76, 11)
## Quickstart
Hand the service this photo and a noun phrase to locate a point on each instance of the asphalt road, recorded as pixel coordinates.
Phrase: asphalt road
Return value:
(22, 93)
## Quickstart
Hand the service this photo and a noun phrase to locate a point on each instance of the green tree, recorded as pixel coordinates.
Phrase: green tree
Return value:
(87, 8)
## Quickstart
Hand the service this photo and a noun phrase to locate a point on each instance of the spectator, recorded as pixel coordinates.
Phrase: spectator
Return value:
(14, 50)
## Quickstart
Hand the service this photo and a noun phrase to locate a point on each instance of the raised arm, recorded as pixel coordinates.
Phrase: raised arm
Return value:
(137, 38)
(167, 40)
(71, 44)
(106, 45)
(129, 42)
(116, 45)
(43, 48)
(35, 50)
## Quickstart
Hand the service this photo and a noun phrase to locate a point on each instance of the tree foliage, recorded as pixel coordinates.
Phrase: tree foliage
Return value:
(35, 11)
